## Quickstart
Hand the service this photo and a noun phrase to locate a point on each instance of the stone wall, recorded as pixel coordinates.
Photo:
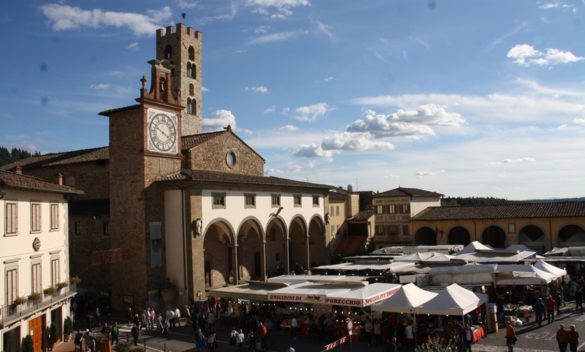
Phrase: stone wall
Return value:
(211, 155)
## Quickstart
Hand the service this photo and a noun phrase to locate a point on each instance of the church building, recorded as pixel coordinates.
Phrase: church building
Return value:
(169, 211)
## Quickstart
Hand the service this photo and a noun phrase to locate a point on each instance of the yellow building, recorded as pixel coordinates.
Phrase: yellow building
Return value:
(540, 226)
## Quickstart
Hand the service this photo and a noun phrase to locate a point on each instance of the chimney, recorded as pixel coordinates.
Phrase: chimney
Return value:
(59, 179)
(18, 170)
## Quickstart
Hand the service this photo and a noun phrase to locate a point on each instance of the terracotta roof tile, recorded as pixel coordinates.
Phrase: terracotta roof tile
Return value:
(519, 210)
(362, 216)
(225, 177)
(16, 181)
(51, 159)
(196, 139)
(408, 192)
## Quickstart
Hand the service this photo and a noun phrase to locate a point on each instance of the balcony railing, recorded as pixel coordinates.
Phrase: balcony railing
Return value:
(11, 313)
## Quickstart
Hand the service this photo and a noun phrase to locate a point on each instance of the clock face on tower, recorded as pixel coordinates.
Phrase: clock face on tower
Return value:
(162, 132)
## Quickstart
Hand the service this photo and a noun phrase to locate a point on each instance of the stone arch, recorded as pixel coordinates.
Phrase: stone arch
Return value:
(297, 244)
(459, 235)
(571, 235)
(191, 53)
(218, 239)
(250, 237)
(494, 236)
(276, 255)
(425, 236)
(533, 237)
(317, 241)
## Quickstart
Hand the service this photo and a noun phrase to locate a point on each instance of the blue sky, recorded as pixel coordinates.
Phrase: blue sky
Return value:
(465, 98)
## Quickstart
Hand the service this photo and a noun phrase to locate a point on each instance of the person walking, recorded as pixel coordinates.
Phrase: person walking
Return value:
(211, 341)
(562, 338)
(539, 310)
(579, 298)
(510, 336)
(240, 338)
(114, 333)
(135, 334)
(551, 306)
(468, 335)
(573, 339)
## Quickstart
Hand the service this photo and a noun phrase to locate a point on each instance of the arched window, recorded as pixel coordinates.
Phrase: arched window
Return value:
(168, 52)
(163, 85)
(189, 106)
(189, 69)
(194, 107)
(425, 236)
(191, 90)
(191, 53)
(193, 71)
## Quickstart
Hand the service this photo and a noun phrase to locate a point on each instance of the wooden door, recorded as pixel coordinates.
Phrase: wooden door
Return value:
(35, 328)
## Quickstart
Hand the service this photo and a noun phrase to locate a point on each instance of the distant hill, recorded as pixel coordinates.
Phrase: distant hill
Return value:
(478, 201)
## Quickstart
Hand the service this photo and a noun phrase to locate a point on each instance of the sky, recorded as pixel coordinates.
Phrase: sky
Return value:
(480, 98)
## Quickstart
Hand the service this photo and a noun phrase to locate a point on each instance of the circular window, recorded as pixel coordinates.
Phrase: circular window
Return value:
(230, 159)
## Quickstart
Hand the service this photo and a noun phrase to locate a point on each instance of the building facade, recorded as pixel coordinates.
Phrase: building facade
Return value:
(541, 226)
(177, 210)
(393, 210)
(34, 259)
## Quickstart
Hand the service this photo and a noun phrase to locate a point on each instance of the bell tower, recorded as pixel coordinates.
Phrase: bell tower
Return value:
(181, 46)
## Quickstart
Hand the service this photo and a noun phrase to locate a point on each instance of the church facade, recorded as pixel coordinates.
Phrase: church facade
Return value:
(170, 212)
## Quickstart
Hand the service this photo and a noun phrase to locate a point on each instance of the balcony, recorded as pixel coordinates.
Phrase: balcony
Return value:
(13, 313)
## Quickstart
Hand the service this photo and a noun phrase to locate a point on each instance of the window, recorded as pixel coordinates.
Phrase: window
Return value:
(379, 209)
(189, 106)
(391, 209)
(189, 70)
(379, 229)
(11, 217)
(54, 216)
(35, 217)
(37, 283)
(393, 230)
(405, 208)
(511, 228)
(11, 285)
(297, 200)
(275, 200)
(218, 200)
(405, 230)
(55, 272)
(106, 228)
(193, 106)
(191, 53)
(250, 200)
(315, 200)
(193, 71)
(168, 52)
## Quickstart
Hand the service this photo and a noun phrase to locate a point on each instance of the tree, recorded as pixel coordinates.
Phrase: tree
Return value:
(15, 154)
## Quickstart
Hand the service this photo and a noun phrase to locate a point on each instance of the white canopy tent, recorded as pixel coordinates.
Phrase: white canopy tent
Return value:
(453, 300)
(556, 271)
(364, 296)
(406, 299)
(522, 274)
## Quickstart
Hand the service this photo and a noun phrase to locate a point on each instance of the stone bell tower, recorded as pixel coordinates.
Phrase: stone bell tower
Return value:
(181, 46)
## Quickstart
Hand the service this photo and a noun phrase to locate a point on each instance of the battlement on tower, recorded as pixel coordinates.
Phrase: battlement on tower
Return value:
(180, 28)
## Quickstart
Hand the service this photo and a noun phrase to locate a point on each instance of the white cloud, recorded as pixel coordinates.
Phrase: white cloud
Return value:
(258, 89)
(518, 160)
(360, 142)
(100, 86)
(65, 17)
(289, 128)
(274, 37)
(312, 151)
(531, 107)
(407, 123)
(556, 5)
(327, 79)
(276, 9)
(219, 120)
(525, 54)
(132, 45)
(186, 4)
(312, 112)
(270, 109)
(429, 173)
(293, 167)
(325, 29)
(272, 171)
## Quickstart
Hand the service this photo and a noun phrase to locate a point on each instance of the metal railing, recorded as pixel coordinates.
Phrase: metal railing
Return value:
(11, 313)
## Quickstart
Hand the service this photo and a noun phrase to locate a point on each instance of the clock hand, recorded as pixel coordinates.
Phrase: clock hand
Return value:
(163, 132)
